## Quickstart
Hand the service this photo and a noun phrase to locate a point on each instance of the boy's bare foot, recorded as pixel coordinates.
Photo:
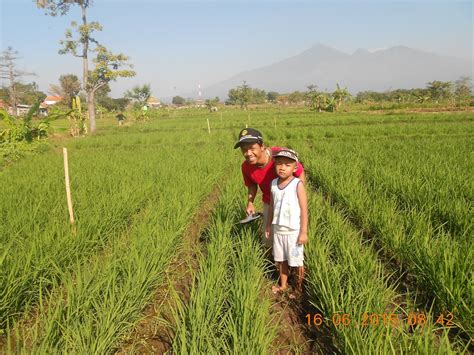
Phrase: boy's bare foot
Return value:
(278, 290)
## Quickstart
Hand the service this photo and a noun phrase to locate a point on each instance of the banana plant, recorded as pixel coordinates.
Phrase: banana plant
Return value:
(19, 130)
(339, 95)
(77, 121)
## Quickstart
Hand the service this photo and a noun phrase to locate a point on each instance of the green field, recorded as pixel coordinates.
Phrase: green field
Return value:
(389, 259)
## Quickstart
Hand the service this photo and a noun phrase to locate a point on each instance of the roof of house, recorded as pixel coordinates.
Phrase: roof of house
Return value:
(153, 100)
(53, 98)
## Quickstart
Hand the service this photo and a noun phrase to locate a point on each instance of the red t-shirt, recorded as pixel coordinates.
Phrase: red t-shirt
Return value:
(263, 176)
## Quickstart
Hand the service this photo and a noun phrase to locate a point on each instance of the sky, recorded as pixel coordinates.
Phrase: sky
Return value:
(177, 45)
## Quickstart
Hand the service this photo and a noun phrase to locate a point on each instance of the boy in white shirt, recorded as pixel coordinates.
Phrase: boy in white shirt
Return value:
(288, 220)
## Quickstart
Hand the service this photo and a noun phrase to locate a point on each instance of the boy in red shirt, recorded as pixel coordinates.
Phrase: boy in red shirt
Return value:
(258, 170)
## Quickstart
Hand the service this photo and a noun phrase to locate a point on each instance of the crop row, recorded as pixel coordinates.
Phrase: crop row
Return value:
(429, 232)
(37, 241)
(355, 296)
(88, 287)
(226, 312)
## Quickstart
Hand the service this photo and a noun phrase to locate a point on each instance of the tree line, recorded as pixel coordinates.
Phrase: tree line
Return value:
(100, 67)
(244, 95)
(458, 92)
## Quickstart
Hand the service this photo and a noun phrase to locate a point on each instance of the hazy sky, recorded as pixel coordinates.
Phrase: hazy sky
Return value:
(174, 45)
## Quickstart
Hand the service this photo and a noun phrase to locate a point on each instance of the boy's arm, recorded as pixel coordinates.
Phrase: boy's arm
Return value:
(252, 192)
(302, 177)
(252, 188)
(269, 218)
(303, 202)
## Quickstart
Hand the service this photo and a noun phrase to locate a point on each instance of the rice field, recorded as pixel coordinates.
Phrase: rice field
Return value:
(388, 265)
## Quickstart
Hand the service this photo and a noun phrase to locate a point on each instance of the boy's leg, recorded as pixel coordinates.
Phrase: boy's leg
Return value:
(280, 263)
(295, 261)
(283, 270)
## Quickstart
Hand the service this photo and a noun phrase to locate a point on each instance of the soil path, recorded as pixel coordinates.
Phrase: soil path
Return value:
(295, 336)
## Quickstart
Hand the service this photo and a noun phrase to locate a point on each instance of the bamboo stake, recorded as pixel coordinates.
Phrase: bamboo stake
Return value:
(68, 188)
(208, 126)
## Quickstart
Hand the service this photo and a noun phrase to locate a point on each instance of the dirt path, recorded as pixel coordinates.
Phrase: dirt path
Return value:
(153, 333)
(295, 335)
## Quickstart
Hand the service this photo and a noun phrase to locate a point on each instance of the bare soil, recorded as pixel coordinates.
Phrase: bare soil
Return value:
(295, 335)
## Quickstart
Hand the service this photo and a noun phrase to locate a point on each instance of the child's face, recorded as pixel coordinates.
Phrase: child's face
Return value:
(284, 167)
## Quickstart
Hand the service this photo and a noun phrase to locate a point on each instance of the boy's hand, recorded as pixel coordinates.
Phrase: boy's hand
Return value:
(302, 238)
(250, 208)
(267, 232)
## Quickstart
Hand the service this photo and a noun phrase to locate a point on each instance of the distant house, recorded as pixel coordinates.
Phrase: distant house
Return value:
(43, 109)
(52, 100)
(153, 102)
(199, 103)
(22, 109)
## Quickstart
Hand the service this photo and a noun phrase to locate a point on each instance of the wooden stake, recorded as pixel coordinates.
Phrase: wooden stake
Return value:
(68, 188)
(275, 121)
(208, 126)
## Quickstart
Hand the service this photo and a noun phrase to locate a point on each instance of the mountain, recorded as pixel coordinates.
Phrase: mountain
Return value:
(397, 67)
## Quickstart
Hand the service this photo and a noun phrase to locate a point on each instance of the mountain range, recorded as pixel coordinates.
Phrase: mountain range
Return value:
(397, 67)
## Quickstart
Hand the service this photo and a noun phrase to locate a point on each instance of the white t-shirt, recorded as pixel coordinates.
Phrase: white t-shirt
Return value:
(286, 208)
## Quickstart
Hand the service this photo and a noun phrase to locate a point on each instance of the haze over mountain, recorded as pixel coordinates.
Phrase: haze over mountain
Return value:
(385, 69)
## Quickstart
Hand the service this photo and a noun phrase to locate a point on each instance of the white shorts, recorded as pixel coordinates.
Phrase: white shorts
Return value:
(286, 248)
